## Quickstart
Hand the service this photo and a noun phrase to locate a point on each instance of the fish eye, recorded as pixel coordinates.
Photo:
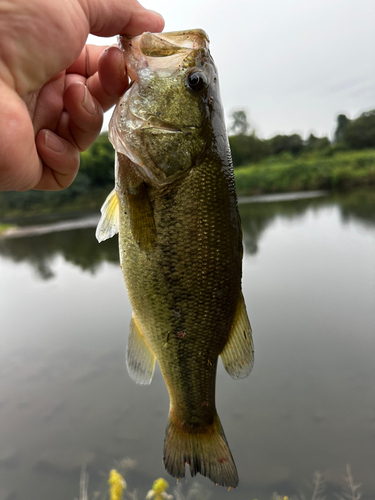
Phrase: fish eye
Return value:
(196, 81)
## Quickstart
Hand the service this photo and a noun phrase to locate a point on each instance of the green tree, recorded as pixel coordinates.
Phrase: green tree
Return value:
(360, 133)
(314, 143)
(240, 124)
(247, 149)
(342, 123)
(285, 143)
(97, 163)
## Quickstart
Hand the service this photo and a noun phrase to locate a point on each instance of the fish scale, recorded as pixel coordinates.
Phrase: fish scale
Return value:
(175, 208)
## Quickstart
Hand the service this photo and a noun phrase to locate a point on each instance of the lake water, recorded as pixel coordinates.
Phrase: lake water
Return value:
(66, 398)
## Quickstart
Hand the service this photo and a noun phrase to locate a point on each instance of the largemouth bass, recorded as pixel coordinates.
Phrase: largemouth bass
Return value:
(175, 208)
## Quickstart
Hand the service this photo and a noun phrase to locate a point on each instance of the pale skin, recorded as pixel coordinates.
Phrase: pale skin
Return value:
(54, 88)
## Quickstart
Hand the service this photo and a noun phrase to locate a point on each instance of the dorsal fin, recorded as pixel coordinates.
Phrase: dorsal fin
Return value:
(238, 353)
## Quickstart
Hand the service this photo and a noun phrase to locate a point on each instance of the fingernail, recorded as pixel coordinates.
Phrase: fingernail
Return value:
(88, 102)
(52, 142)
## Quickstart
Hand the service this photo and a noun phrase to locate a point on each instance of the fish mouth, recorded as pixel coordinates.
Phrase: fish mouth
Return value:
(161, 52)
(166, 44)
(162, 127)
(152, 123)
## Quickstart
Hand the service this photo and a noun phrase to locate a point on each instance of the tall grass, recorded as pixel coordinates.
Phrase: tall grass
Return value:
(313, 171)
(317, 490)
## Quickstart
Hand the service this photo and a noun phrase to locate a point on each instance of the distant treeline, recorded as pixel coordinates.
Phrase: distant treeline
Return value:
(282, 163)
(97, 162)
(349, 135)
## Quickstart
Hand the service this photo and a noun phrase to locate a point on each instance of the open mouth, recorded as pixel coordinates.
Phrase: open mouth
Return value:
(166, 44)
(161, 52)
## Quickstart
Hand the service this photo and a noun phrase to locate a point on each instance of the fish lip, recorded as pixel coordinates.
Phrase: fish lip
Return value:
(167, 128)
(156, 124)
(164, 129)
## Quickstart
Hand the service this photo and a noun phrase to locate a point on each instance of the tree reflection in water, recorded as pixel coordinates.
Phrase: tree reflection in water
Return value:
(81, 248)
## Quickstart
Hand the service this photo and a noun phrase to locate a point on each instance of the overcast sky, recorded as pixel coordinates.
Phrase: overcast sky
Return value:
(293, 65)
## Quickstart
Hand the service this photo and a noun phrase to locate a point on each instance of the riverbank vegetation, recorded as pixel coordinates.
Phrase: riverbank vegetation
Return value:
(316, 490)
(280, 164)
(288, 163)
(312, 171)
(350, 135)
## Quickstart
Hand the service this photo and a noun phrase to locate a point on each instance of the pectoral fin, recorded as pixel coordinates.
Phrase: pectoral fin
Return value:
(142, 223)
(238, 353)
(109, 221)
(140, 359)
(137, 204)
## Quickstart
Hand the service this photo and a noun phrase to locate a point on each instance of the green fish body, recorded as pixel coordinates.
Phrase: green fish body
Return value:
(175, 209)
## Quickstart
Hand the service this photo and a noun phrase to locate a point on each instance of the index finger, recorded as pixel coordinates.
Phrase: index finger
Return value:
(113, 17)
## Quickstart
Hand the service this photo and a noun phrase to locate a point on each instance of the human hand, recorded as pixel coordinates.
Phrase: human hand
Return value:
(54, 88)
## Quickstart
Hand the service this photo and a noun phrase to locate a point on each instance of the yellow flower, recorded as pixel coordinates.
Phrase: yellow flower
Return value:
(117, 485)
(158, 490)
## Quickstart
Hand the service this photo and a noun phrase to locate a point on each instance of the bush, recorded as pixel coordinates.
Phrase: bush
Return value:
(340, 171)
(97, 163)
(247, 148)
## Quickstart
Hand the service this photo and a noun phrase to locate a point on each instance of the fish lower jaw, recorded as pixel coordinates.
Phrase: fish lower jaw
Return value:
(159, 130)
(156, 130)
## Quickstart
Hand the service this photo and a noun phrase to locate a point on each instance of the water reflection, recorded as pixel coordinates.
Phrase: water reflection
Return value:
(256, 217)
(358, 206)
(80, 247)
(66, 399)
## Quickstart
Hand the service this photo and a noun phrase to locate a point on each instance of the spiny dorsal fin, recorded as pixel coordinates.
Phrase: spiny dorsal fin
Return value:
(109, 221)
(238, 353)
(140, 359)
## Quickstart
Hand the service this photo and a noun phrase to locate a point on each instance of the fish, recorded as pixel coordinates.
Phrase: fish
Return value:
(174, 207)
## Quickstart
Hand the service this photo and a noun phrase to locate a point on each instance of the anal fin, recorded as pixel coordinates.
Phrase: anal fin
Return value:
(140, 359)
(238, 353)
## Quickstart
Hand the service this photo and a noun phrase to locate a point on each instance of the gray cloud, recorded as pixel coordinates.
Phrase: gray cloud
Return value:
(294, 65)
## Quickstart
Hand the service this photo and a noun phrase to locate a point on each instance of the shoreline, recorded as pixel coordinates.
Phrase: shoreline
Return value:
(84, 220)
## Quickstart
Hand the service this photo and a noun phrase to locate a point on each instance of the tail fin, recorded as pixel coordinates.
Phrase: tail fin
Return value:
(207, 453)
